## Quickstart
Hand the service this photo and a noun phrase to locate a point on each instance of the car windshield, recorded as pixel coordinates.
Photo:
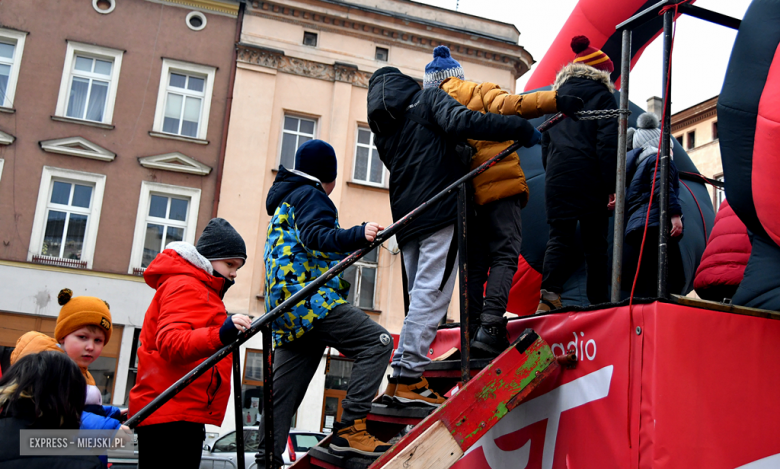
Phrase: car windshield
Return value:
(304, 441)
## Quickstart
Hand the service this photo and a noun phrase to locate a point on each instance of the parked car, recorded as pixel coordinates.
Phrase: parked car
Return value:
(222, 455)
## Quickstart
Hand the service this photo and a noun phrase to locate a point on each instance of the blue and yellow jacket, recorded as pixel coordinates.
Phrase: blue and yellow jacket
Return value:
(304, 241)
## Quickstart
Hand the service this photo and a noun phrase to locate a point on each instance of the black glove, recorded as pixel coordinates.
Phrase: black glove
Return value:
(536, 137)
(228, 332)
(569, 105)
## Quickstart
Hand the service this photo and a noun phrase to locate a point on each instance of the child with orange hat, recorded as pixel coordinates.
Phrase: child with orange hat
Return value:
(83, 328)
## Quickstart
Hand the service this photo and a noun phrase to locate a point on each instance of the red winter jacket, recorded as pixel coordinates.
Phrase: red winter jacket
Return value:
(181, 329)
(725, 257)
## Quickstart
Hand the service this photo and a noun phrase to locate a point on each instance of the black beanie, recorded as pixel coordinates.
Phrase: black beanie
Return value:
(221, 241)
(317, 158)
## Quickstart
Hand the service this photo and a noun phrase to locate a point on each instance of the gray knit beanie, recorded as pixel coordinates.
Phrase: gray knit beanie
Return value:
(221, 241)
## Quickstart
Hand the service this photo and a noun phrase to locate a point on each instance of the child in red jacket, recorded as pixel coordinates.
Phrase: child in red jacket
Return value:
(185, 324)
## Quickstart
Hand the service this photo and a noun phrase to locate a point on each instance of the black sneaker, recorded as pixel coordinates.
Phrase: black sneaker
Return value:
(491, 339)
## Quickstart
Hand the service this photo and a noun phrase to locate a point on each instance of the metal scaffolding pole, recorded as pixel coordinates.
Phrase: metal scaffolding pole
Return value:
(663, 170)
(268, 396)
(240, 461)
(620, 183)
(465, 351)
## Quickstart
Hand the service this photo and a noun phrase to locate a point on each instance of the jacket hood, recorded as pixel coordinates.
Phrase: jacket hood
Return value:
(180, 258)
(286, 181)
(389, 94)
(577, 70)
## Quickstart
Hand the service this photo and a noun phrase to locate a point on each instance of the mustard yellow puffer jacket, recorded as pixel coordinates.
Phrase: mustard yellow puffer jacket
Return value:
(506, 178)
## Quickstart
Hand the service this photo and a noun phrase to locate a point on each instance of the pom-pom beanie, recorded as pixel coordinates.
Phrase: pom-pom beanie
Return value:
(79, 312)
(590, 56)
(442, 66)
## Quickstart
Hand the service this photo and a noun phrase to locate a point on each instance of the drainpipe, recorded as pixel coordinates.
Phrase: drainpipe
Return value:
(228, 108)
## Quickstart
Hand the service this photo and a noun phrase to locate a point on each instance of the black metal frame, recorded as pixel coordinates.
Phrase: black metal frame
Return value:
(667, 8)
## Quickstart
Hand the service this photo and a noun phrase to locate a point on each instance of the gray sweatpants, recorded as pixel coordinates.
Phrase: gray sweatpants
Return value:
(430, 263)
(355, 335)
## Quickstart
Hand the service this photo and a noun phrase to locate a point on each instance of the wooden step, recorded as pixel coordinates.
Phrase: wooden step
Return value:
(445, 435)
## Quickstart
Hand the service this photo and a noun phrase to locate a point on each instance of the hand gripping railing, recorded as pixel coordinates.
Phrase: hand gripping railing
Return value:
(266, 320)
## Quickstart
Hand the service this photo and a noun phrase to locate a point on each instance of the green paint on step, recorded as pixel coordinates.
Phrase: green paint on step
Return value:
(501, 411)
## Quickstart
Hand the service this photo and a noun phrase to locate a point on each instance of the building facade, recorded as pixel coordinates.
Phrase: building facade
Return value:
(302, 73)
(696, 129)
(112, 117)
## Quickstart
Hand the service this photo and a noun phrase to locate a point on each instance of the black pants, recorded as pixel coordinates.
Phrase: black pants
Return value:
(563, 256)
(355, 335)
(494, 238)
(167, 445)
(647, 281)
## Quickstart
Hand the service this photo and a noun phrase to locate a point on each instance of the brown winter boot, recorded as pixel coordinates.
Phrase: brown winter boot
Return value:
(355, 440)
(417, 393)
(548, 302)
(387, 396)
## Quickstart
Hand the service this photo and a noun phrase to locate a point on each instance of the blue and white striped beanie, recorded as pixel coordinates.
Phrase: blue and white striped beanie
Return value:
(442, 66)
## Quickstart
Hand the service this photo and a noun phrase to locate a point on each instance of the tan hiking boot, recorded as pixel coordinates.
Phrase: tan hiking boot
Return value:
(417, 393)
(548, 302)
(387, 397)
(355, 440)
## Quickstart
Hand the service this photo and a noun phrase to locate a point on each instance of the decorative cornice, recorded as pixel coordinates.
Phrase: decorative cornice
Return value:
(382, 34)
(213, 6)
(346, 73)
(77, 146)
(6, 139)
(175, 161)
(694, 119)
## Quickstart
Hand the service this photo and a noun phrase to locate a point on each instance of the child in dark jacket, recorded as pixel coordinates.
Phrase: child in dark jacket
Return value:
(304, 241)
(185, 324)
(640, 168)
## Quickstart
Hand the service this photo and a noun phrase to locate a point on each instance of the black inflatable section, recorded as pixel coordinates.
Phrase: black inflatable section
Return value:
(536, 230)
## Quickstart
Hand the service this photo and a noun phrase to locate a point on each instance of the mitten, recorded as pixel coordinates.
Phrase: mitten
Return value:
(536, 137)
(228, 332)
(569, 105)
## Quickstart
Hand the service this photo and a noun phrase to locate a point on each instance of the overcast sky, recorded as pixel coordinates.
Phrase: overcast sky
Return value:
(701, 49)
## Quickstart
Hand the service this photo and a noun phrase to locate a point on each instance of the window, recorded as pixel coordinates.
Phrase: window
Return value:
(679, 138)
(11, 48)
(715, 130)
(67, 217)
(196, 20)
(184, 99)
(296, 132)
(309, 39)
(252, 387)
(691, 140)
(165, 214)
(720, 194)
(369, 169)
(362, 276)
(89, 83)
(381, 54)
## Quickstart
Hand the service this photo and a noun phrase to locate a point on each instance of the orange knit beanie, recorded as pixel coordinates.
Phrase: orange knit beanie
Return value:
(79, 312)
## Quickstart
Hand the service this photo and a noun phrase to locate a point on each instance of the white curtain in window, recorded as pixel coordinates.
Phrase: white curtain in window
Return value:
(97, 101)
(77, 101)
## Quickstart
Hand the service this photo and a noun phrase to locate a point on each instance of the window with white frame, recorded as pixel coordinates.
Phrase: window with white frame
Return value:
(184, 99)
(368, 168)
(67, 216)
(11, 49)
(166, 214)
(89, 82)
(362, 276)
(296, 132)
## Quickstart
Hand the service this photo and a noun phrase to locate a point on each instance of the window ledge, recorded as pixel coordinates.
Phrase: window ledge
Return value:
(178, 137)
(7, 110)
(369, 310)
(367, 186)
(70, 120)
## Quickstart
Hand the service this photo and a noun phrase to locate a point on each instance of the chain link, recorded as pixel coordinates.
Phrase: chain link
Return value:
(602, 114)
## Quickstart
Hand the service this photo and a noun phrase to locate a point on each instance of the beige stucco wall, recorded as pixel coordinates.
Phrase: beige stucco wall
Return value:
(706, 154)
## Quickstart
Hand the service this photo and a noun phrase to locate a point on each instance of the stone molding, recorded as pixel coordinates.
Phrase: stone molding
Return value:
(388, 35)
(345, 73)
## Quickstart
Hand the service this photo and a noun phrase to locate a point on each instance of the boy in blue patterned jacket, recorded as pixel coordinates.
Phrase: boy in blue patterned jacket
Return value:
(304, 241)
